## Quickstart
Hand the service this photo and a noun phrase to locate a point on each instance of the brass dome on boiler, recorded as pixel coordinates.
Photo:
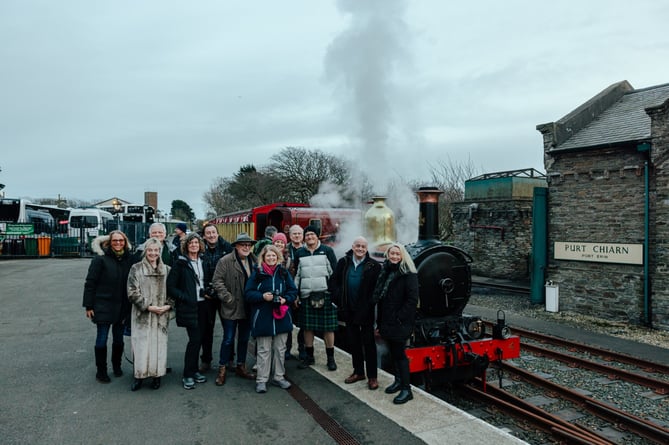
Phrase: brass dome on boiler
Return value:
(380, 222)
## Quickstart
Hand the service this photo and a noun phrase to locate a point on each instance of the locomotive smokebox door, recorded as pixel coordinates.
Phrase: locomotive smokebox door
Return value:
(445, 279)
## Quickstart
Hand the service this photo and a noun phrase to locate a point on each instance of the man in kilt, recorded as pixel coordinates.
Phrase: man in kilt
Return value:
(315, 264)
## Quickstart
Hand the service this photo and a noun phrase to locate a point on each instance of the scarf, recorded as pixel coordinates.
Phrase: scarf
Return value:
(388, 274)
(269, 270)
(116, 254)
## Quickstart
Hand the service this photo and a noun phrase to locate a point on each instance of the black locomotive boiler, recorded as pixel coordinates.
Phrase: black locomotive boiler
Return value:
(447, 345)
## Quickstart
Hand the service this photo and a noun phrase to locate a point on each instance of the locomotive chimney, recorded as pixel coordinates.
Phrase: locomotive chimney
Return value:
(379, 222)
(428, 219)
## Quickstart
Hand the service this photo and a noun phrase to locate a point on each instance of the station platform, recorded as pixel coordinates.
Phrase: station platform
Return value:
(426, 418)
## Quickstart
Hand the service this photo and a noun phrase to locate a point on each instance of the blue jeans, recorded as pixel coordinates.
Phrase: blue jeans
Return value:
(103, 334)
(227, 345)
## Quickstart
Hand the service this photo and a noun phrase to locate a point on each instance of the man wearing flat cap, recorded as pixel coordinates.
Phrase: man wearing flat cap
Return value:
(230, 276)
(315, 264)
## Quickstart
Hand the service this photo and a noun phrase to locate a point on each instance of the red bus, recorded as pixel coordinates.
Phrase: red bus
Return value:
(283, 215)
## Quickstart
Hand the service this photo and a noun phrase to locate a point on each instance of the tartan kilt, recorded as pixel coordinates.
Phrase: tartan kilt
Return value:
(323, 319)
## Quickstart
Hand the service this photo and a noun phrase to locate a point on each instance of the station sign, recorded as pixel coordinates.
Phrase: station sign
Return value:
(599, 252)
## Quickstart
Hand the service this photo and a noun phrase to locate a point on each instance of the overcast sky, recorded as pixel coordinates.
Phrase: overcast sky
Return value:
(115, 98)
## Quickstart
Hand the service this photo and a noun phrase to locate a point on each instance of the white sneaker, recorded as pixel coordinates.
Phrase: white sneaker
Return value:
(261, 388)
(283, 384)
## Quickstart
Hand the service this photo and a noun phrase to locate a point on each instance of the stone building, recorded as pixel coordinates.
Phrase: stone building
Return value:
(494, 223)
(608, 205)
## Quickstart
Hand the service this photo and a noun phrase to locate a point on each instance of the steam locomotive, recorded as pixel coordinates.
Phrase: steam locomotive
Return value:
(447, 345)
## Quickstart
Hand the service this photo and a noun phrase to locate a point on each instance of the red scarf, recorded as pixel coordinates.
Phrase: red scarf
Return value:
(269, 270)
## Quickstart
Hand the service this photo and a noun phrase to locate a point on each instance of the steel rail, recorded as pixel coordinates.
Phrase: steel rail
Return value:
(637, 425)
(547, 422)
(607, 354)
(658, 386)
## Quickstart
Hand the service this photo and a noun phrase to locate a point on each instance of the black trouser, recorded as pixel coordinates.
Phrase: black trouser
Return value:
(206, 318)
(192, 349)
(363, 348)
(400, 361)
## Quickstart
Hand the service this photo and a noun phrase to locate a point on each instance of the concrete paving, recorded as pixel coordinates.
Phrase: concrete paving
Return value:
(50, 395)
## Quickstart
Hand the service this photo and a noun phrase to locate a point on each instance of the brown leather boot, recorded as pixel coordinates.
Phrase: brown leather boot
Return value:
(220, 379)
(241, 371)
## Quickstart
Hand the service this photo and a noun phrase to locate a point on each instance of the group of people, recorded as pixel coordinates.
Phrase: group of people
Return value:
(259, 295)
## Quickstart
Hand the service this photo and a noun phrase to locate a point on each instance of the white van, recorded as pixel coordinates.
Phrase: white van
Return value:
(92, 221)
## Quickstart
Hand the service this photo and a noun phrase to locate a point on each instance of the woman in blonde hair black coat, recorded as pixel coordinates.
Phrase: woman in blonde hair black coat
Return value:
(396, 294)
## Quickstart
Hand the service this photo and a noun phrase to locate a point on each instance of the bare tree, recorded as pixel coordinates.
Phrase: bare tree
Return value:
(217, 198)
(247, 188)
(302, 171)
(294, 174)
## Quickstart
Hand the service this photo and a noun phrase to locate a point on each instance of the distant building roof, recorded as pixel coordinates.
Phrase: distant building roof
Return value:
(615, 116)
(110, 201)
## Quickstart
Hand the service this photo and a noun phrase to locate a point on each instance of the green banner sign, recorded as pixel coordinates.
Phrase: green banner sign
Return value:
(20, 229)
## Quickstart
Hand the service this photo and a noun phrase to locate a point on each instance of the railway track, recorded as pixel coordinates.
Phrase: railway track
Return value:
(574, 357)
(608, 355)
(529, 414)
(586, 382)
(618, 417)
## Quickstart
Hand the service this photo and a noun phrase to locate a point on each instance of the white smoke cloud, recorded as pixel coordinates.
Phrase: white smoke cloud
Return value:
(362, 63)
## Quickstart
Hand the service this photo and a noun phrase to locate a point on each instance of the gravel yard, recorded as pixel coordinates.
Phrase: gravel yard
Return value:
(520, 304)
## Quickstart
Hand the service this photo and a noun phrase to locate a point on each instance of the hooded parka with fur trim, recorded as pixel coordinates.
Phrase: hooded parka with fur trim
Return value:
(105, 289)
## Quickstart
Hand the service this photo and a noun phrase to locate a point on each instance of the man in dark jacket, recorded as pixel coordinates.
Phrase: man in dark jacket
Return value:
(270, 231)
(215, 247)
(352, 287)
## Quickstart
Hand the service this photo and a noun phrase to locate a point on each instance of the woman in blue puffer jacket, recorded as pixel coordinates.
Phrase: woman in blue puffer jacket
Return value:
(270, 291)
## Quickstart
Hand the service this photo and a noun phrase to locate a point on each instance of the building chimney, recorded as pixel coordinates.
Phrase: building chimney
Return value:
(151, 199)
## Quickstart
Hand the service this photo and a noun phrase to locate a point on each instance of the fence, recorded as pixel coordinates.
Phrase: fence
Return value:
(23, 240)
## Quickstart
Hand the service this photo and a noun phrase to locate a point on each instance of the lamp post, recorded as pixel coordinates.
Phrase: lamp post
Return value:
(117, 209)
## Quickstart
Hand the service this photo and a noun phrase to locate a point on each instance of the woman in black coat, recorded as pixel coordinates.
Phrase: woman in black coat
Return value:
(396, 293)
(106, 298)
(185, 285)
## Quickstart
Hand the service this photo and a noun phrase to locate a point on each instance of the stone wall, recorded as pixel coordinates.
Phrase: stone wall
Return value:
(497, 234)
(597, 196)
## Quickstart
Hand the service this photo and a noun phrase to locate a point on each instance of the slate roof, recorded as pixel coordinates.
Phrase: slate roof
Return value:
(624, 121)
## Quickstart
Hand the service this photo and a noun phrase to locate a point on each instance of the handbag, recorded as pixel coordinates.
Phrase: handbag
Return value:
(280, 311)
(317, 299)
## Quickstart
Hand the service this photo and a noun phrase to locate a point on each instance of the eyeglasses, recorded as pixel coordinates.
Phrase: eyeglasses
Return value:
(244, 244)
(118, 241)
